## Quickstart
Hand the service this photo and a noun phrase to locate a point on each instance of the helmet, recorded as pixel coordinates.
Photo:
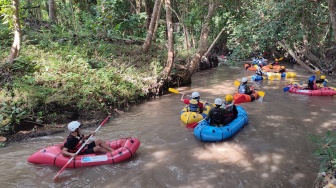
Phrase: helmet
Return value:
(228, 98)
(282, 67)
(218, 101)
(244, 79)
(195, 95)
(323, 77)
(72, 126)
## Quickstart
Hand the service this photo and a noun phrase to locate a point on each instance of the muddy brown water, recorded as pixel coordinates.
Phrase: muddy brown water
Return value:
(273, 150)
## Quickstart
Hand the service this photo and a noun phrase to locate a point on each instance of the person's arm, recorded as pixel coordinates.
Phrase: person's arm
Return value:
(235, 111)
(66, 153)
(320, 81)
(247, 89)
(208, 115)
(88, 136)
(182, 97)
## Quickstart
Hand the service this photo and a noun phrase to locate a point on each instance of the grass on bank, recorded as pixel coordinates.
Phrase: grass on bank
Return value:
(56, 73)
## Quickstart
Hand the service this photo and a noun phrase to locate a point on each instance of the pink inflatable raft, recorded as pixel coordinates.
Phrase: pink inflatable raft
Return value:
(323, 91)
(124, 148)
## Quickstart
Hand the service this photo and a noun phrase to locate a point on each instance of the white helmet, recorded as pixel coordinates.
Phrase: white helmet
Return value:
(72, 126)
(218, 101)
(195, 95)
(244, 79)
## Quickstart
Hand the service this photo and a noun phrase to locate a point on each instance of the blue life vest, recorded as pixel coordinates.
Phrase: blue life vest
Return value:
(311, 79)
(193, 105)
(242, 89)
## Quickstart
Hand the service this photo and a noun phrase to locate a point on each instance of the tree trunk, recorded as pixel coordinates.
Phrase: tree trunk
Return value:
(152, 24)
(186, 37)
(214, 42)
(203, 44)
(306, 50)
(285, 46)
(170, 47)
(332, 13)
(149, 11)
(15, 50)
(157, 21)
(138, 6)
(52, 11)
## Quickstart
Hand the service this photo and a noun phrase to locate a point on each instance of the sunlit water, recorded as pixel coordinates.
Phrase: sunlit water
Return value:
(273, 150)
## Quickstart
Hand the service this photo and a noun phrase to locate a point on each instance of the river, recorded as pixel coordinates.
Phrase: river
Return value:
(273, 150)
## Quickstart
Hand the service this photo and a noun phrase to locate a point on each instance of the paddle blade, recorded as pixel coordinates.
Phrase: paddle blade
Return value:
(261, 93)
(105, 120)
(192, 125)
(173, 90)
(236, 83)
(286, 89)
(260, 99)
(63, 168)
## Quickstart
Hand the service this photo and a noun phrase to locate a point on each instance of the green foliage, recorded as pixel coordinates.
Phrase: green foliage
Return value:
(261, 24)
(11, 114)
(92, 74)
(326, 150)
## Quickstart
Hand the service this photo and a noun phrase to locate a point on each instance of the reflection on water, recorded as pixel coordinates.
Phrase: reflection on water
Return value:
(273, 150)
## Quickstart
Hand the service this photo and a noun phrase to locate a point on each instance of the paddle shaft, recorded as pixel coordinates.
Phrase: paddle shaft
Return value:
(83, 145)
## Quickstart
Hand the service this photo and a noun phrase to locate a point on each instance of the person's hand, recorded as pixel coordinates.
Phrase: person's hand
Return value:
(73, 155)
(93, 133)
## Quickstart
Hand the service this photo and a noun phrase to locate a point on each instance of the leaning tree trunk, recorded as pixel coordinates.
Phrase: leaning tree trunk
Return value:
(203, 44)
(15, 50)
(170, 59)
(152, 24)
(306, 50)
(285, 46)
(332, 13)
(214, 42)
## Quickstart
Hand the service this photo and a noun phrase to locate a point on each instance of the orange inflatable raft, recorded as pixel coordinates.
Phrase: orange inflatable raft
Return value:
(266, 68)
(248, 98)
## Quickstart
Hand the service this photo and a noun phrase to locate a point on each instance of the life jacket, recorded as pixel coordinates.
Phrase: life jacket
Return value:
(242, 89)
(78, 145)
(311, 79)
(217, 117)
(230, 109)
(311, 82)
(193, 105)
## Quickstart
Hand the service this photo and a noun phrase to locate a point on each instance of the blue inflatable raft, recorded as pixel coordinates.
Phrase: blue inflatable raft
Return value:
(207, 133)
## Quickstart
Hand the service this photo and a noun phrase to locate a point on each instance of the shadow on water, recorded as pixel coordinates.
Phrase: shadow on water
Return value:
(273, 150)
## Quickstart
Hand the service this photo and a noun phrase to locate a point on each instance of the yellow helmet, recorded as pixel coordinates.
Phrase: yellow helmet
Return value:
(323, 77)
(282, 67)
(228, 98)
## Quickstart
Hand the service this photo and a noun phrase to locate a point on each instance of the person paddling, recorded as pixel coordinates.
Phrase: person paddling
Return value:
(194, 104)
(76, 139)
(244, 88)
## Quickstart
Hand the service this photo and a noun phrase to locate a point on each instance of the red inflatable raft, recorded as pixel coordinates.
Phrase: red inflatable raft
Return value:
(248, 98)
(323, 91)
(124, 148)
